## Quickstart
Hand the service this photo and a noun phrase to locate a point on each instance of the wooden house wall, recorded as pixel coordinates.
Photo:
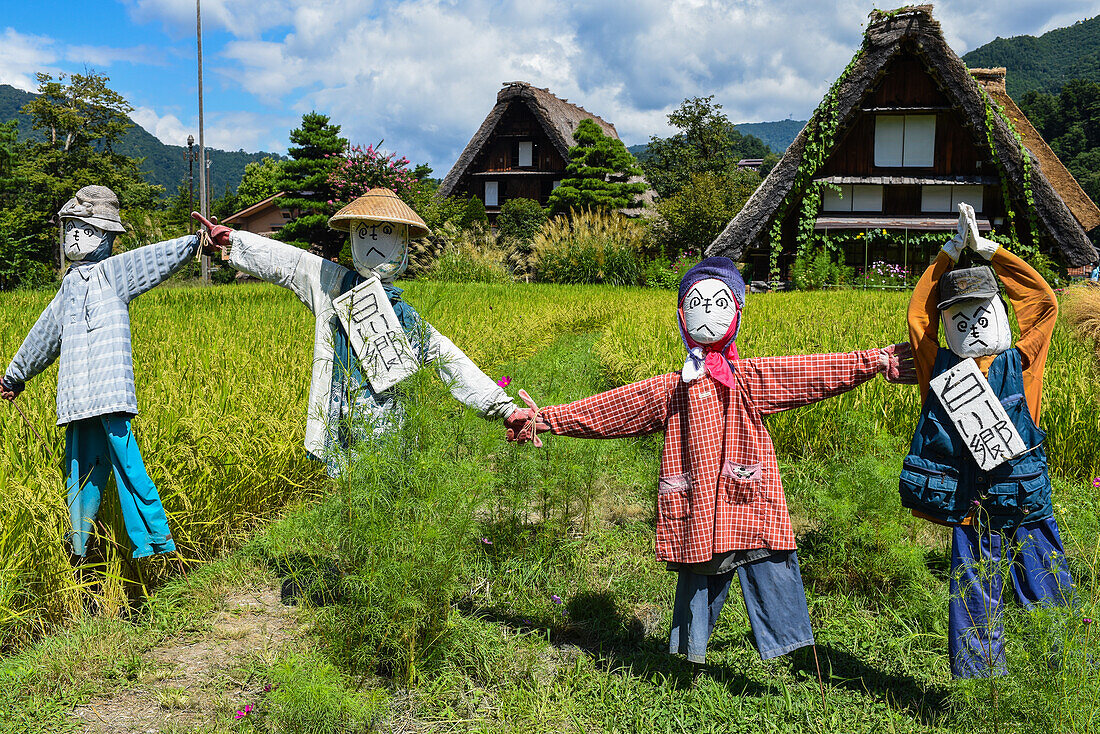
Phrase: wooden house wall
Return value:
(500, 155)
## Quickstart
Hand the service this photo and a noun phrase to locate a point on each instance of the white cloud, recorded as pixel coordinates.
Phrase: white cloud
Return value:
(423, 73)
(226, 131)
(22, 56)
(104, 56)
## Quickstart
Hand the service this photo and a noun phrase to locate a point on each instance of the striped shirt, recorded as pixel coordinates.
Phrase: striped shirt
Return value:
(87, 324)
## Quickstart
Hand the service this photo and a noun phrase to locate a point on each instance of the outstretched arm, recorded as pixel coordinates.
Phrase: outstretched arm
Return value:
(143, 268)
(39, 349)
(470, 386)
(631, 410)
(775, 384)
(924, 318)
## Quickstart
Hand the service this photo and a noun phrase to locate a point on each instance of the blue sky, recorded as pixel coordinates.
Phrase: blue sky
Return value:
(422, 74)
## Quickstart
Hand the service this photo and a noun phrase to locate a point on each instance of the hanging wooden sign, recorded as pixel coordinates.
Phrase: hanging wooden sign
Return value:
(977, 413)
(379, 342)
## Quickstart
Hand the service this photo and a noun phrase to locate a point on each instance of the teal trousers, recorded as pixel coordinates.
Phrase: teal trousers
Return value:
(93, 447)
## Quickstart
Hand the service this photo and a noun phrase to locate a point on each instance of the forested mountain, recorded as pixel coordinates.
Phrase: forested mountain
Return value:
(165, 165)
(1045, 63)
(777, 135)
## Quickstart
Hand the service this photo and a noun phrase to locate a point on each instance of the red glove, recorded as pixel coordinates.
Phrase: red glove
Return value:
(898, 365)
(218, 233)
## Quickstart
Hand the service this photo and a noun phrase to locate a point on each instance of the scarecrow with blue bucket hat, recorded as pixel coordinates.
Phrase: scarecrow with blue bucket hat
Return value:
(87, 326)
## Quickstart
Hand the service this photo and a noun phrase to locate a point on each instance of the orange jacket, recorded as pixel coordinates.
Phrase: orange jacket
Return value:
(1036, 312)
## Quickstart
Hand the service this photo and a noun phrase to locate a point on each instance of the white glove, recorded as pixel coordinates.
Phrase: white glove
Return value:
(954, 246)
(985, 247)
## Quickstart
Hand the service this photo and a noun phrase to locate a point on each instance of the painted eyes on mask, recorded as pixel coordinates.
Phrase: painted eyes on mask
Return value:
(87, 229)
(963, 325)
(720, 300)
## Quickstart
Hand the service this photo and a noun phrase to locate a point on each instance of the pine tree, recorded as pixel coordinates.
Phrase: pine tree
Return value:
(599, 172)
(308, 191)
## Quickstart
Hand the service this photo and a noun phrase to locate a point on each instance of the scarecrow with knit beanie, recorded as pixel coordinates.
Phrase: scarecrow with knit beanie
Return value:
(344, 406)
(87, 325)
(720, 505)
(1003, 511)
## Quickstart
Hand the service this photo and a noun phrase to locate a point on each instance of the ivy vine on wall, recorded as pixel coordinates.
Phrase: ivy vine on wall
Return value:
(993, 109)
(821, 133)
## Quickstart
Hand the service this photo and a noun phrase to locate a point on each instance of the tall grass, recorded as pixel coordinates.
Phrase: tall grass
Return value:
(222, 379)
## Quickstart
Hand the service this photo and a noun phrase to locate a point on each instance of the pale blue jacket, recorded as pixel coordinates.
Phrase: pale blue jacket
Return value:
(88, 324)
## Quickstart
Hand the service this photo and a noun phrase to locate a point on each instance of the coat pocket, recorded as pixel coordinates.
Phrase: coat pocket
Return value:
(98, 313)
(741, 481)
(928, 487)
(674, 497)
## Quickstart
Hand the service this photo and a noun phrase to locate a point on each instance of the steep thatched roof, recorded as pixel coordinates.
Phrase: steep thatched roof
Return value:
(557, 116)
(1083, 208)
(886, 33)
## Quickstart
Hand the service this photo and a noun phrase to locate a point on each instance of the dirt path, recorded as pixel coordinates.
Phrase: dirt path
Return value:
(198, 681)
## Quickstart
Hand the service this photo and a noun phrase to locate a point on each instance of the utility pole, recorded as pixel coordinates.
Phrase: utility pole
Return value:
(204, 209)
(190, 183)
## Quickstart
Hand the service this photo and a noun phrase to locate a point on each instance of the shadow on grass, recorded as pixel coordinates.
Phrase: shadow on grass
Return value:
(619, 642)
(904, 693)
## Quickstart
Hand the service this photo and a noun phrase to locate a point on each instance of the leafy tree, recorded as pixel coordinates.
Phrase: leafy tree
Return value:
(598, 174)
(520, 219)
(260, 180)
(315, 154)
(474, 213)
(698, 212)
(707, 143)
(80, 119)
(1070, 123)
(9, 138)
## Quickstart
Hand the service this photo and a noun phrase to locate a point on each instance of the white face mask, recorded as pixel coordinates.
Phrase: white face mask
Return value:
(381, 247)
(81, 238)
(977, 328)
(709, 309)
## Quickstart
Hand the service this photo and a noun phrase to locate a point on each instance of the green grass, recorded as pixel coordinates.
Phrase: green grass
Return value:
(447, 618)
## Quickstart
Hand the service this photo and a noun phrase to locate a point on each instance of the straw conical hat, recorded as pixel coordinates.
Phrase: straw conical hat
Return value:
(379, 205)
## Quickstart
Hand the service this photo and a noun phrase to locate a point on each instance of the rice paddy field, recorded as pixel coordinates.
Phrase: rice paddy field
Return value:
(521, 590)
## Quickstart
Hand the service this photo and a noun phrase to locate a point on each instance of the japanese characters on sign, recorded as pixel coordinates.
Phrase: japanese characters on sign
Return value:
(978, 415)
(385, 355)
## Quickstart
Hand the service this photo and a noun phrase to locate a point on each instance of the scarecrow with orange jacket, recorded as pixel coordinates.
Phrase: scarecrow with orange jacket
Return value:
(963, 471)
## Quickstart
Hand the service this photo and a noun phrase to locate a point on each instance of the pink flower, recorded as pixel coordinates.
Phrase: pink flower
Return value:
(555, 598)
(241, 714)
(486, 541)
(504, 381)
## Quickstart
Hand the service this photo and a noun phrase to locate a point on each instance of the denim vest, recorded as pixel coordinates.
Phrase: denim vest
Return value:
(941, 480)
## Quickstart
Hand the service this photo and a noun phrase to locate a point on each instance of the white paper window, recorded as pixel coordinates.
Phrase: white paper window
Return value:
(942, 198)
(853, 198)
(889, 137)
(972, 195)
(837, 201)
(905, 141)
(866, 198)
(491, 193)
(555, 185)
(526, 148)
(935, 198)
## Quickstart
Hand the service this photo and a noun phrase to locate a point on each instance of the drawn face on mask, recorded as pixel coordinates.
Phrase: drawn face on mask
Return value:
(977, 327)
(82, 239)
(381, 247)
(709, 311)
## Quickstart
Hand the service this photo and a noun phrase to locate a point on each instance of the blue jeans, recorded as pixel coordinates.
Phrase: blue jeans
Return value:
(774, 599)
(93, 447)
(1039, 575)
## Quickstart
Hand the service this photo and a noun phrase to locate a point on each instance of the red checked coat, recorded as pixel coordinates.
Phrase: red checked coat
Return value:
(719, 488)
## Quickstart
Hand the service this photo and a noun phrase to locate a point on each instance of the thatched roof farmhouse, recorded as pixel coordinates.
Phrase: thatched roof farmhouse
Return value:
(521, 149)
(903, 136)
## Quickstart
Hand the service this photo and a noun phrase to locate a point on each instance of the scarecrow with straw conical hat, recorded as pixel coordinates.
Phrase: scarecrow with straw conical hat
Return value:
(345, 403)
(87, 325)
